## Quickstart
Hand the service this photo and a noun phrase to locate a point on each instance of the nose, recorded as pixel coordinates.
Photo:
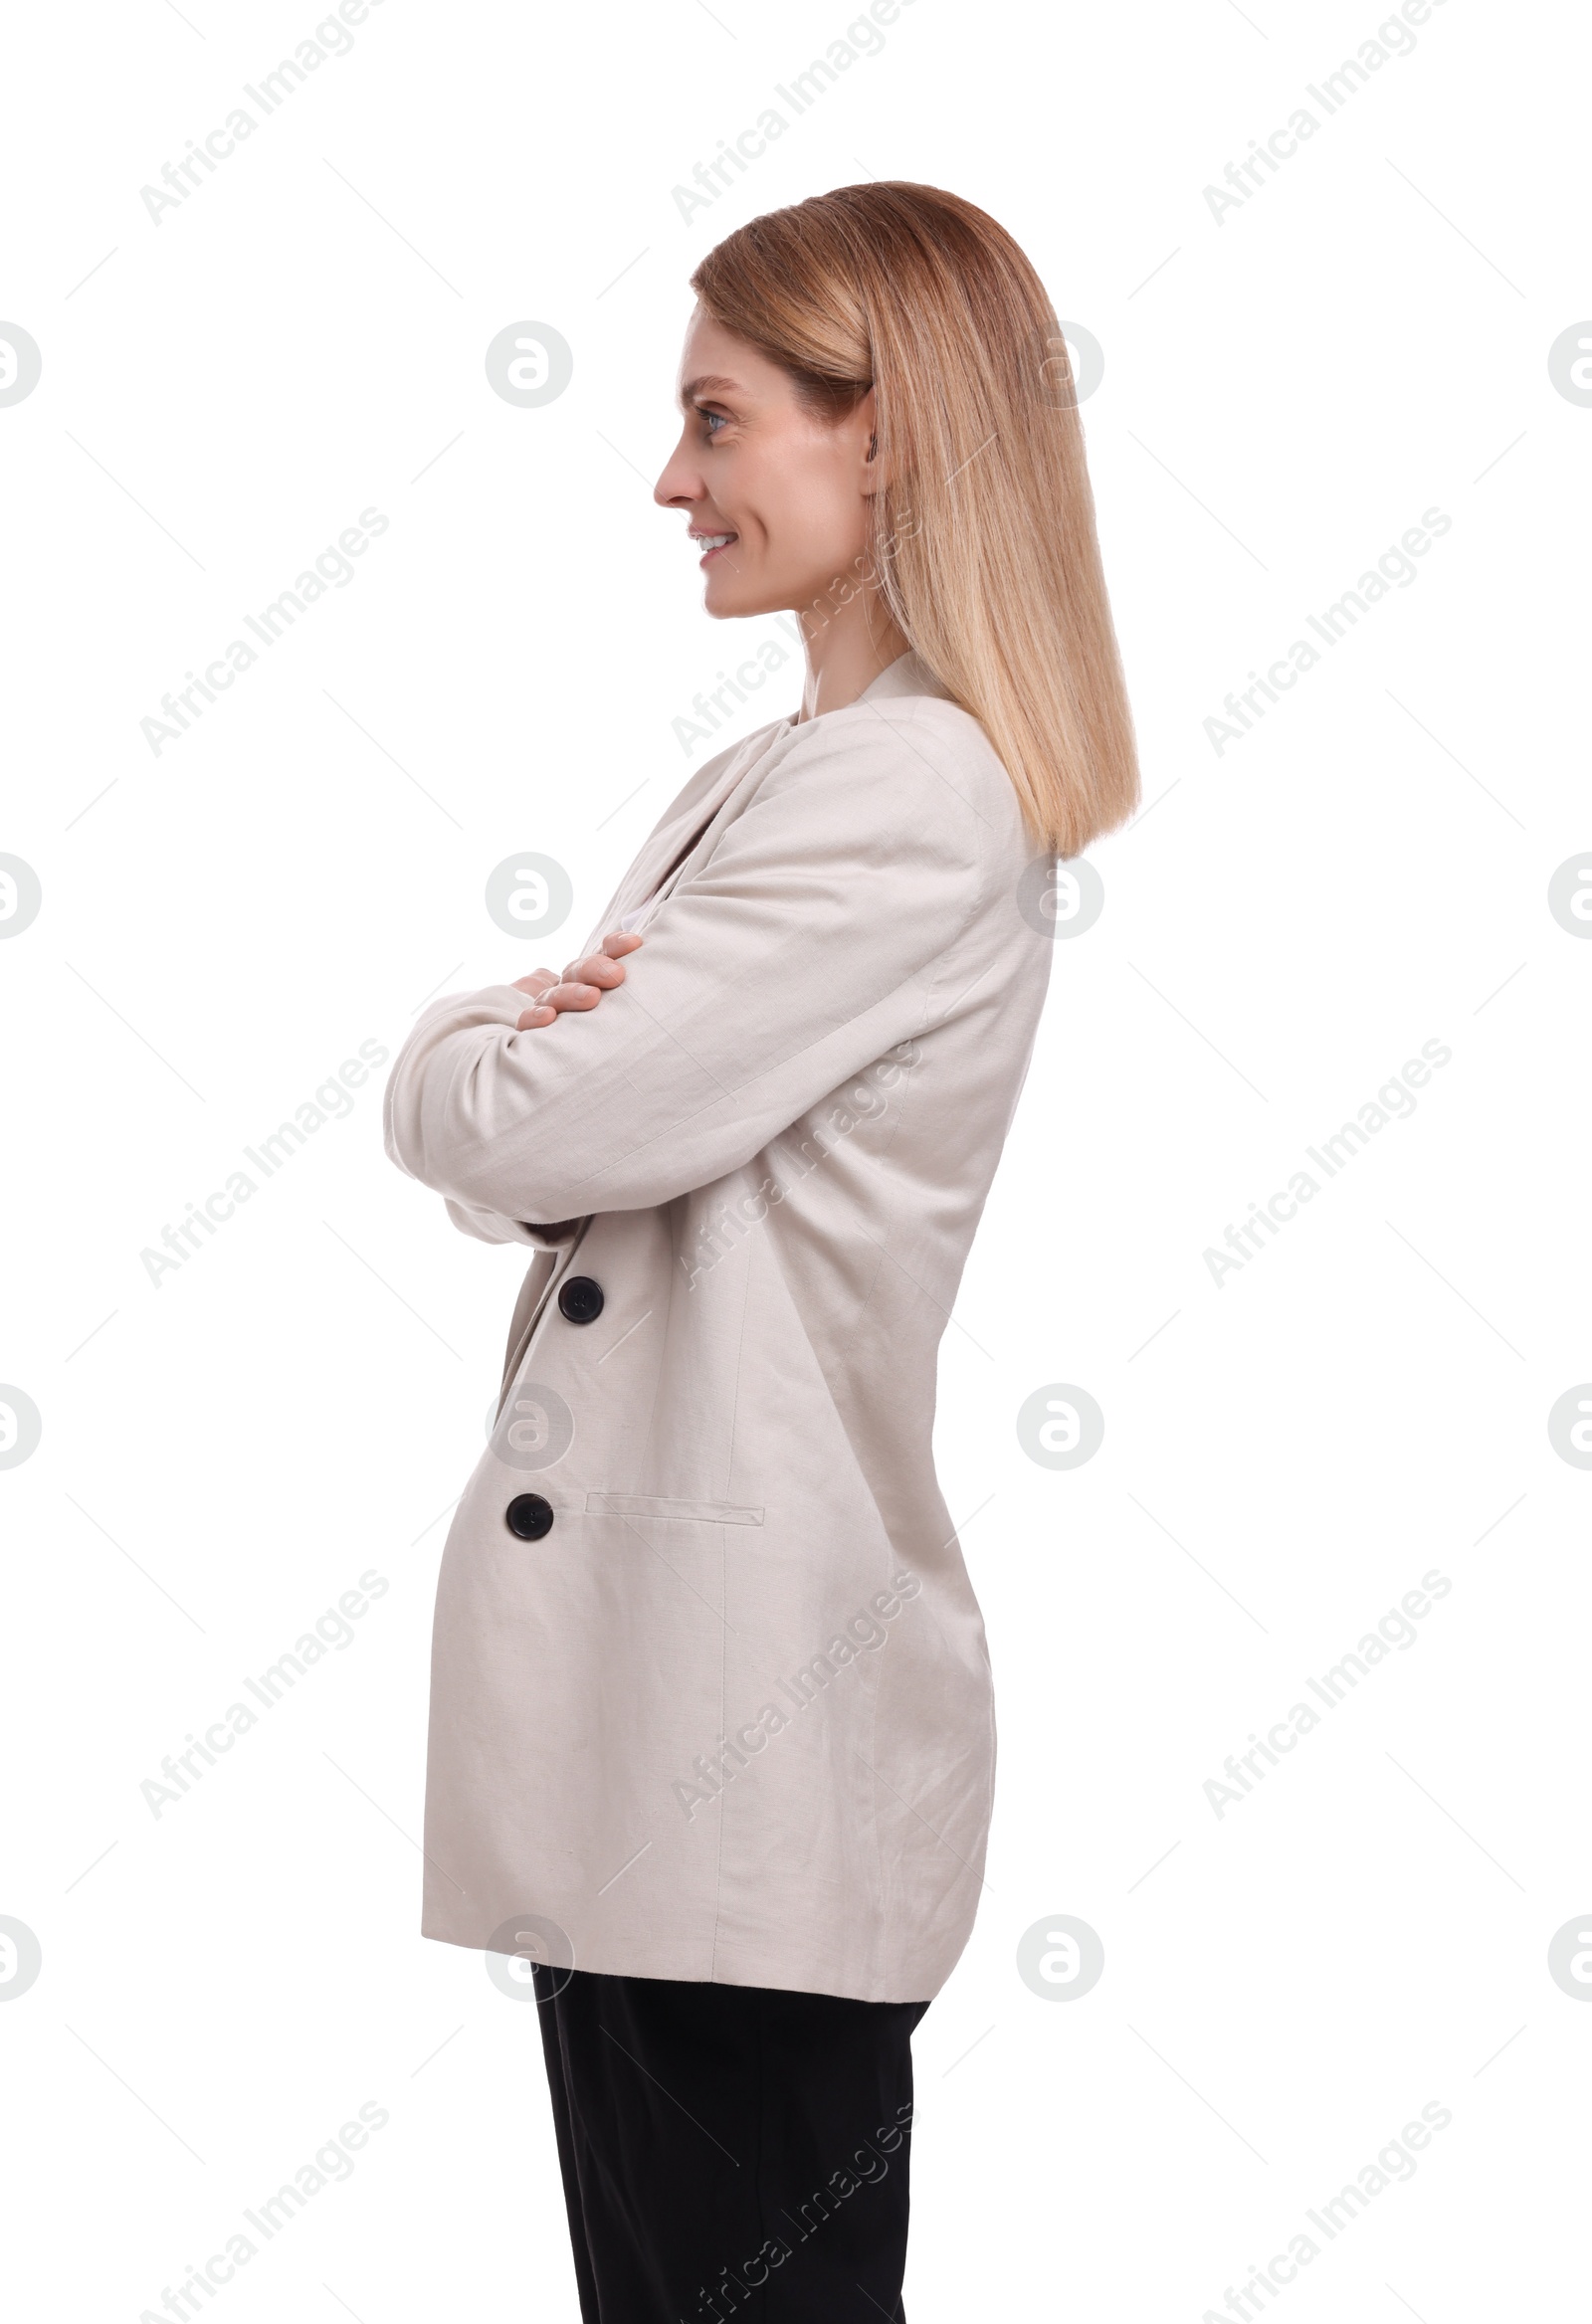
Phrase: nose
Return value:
(681, 485)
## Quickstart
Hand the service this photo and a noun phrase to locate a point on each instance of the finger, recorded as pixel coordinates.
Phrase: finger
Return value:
(599, 969)
(622, 940)
(595, 970)
(530, 1019)
(536, 982)
(572, 995)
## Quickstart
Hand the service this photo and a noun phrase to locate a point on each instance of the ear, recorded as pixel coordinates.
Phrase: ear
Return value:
(865, 422)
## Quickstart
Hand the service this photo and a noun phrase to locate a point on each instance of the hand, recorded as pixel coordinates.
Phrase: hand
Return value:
(582, 985)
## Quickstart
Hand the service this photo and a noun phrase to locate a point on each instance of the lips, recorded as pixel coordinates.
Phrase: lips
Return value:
(713, 545)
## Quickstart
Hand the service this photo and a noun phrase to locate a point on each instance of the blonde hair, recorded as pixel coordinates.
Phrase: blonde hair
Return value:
(984, 545)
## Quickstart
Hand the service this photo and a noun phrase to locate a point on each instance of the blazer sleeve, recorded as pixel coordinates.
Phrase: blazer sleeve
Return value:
(810, 940)
(492, 1227)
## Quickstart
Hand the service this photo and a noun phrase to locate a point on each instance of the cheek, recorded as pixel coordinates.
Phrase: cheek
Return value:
(807, 514)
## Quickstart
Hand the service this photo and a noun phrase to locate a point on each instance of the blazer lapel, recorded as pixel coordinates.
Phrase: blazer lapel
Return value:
(702, 805)
(907, 674)
(655, 871)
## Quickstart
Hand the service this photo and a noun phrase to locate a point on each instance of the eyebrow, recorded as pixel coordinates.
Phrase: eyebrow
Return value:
(709, 383)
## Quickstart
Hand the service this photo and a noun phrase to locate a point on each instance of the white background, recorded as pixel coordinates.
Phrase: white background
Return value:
(1285, 391)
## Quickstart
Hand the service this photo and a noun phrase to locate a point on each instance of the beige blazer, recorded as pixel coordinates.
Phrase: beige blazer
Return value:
(710, 1697)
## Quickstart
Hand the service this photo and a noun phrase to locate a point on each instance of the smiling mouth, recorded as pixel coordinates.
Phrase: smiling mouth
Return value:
(712, 543)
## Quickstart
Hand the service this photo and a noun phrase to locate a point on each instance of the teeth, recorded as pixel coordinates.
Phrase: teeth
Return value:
(713, 540)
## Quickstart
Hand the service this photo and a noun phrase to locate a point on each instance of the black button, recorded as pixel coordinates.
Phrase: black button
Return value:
(581, 1299)
(528, 1516)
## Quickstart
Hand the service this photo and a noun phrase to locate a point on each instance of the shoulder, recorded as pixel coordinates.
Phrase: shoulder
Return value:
(917, 763)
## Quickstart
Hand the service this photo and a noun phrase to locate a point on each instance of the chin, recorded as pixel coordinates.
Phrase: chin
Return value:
(725, 605)
(731, 604)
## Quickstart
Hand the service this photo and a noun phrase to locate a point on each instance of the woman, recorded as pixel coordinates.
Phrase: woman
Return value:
(711, 1735)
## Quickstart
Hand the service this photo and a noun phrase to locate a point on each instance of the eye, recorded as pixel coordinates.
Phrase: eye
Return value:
(715, 421)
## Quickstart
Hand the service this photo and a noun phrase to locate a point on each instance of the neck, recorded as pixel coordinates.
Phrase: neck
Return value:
(847, 648)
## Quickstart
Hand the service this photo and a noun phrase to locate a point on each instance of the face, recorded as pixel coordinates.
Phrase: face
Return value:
(775, 497)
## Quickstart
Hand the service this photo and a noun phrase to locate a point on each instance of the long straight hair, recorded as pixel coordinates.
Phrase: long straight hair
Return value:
(983, 542)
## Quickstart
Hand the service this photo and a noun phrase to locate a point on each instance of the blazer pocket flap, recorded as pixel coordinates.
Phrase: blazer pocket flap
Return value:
(650, 1505)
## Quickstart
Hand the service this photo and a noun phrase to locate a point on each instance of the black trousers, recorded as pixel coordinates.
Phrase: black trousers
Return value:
(729, 2151)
